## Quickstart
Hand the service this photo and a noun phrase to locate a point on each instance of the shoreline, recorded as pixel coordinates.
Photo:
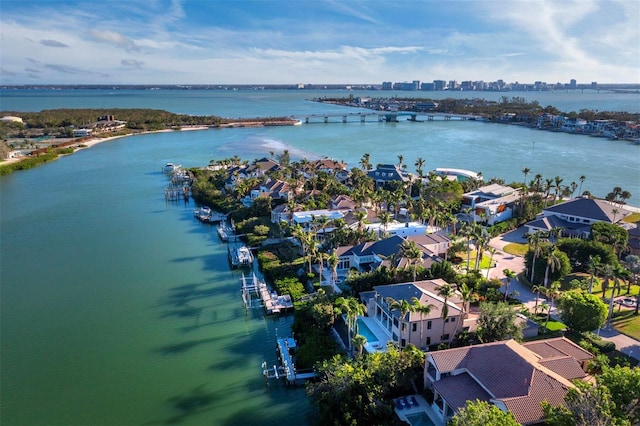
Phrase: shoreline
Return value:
(81, 145)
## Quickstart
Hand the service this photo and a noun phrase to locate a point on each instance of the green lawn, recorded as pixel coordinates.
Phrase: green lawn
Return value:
(516, 249)
(626, 322)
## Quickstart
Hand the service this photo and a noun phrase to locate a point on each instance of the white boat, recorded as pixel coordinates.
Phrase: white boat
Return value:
(171, 168)
(240, 256)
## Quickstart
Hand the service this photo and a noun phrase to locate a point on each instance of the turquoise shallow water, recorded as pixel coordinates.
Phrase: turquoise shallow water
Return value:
(117, 308)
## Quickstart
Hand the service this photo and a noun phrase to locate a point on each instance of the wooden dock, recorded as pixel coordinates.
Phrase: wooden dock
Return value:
(285, 349)
(256, 294)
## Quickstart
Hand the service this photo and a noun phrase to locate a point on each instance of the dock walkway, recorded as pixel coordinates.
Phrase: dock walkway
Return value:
(256, 294)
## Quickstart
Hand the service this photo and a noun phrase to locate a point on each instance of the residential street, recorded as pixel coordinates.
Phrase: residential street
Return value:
(625, 344)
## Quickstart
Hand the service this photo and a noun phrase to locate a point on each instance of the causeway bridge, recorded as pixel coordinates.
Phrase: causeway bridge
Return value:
(381, 116)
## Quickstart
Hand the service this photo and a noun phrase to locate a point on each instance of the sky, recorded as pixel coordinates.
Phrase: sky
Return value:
(317, 41)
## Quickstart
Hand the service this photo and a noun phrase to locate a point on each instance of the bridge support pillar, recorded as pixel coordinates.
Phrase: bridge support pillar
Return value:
(413, 117)
(380, 118)
(430, 117)
(326, 119)
(306, 120)
(344, 118)
(447, 118)
(362, 116)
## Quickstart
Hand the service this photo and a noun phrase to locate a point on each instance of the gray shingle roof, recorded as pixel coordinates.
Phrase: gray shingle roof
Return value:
(599, 210)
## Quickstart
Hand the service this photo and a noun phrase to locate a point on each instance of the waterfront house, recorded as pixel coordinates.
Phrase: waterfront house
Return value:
(369, 256)
(421, 330)
(401, 229)
(274, 189)
(491, 203)
(576, 216)
(328, 166)
(343, 203)
(513, 377)
(305, 218)
(259, 168)
(387, 173)
(436, 243)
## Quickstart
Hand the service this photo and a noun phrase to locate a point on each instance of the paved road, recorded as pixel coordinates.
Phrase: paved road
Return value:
(624, 344)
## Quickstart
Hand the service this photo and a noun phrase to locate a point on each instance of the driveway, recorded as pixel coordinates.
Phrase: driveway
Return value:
(625, 344)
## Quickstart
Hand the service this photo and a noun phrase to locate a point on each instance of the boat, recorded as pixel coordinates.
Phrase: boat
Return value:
(240, 256)
(171, 168)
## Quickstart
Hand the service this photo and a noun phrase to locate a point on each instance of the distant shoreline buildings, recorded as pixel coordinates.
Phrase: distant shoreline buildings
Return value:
(415, 85)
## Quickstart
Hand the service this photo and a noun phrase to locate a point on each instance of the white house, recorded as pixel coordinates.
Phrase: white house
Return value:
(493, 203)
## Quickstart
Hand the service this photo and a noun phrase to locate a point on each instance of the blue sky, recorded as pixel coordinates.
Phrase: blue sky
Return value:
(317, 41)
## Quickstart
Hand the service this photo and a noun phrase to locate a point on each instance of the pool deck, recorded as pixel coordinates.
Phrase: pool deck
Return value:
(380, 345)
(422, 407)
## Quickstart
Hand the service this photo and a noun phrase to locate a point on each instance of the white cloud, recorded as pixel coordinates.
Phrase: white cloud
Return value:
(113, 38)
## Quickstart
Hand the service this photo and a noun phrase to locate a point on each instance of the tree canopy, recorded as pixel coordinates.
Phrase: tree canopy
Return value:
(481, 413)
(581, 311)
(497, 321)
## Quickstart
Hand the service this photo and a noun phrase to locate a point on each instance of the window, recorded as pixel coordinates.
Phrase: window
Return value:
(444, 337)
(395, 322)
(414, 326)
(428, 342)
(403, 343)
(428, 325)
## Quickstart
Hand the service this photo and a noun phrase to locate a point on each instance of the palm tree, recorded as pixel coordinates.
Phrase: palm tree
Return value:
(422, 310)
(358, 342)
(445, 291)
(352, 308)
(404, 307)
(419, 164)
(509, 275)
(333, 260)
(413, 254)
(557, 188)
(581, 179)
(468, 295)
(594, 265)
(491, 251)
(537, 289)
(553, 262)
(525, 171)
(552, 293)
(534, 244)
(365, 162)
(385, 220)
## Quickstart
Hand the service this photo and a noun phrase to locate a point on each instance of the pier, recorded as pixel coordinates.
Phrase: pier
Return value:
(285, 348)
(255, 294)
(383, 116)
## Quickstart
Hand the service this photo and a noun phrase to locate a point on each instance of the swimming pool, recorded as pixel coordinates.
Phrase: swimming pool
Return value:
(419, 419)
(363, 330)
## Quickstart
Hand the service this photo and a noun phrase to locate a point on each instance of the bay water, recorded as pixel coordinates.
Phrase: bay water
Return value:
(118, 308)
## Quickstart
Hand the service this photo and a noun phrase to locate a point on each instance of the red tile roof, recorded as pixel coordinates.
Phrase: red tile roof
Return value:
(558, 347)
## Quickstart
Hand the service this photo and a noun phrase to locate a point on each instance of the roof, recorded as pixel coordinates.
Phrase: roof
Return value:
(508, 372)
(566, 366)
(558, 347)
(457, 390)
(428, 239)
(387, 172)
(599, 210)
(426, 294)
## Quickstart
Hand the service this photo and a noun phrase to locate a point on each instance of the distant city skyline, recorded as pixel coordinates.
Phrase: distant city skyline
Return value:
(318, 42)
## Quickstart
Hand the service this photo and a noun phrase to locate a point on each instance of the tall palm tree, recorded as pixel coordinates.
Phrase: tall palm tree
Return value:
(403, 307)
(537, 289)
(581, 179)
(594, 265)
(557, 187)
(413, 254)
(552, 293)
(553, 262)
(491, 251)
(385, 220)
(333, 260)
(365, 162)
(419, 164)
(445, 291)
(525, 172)
(352, 308)
(509, 275)
(422, 310)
